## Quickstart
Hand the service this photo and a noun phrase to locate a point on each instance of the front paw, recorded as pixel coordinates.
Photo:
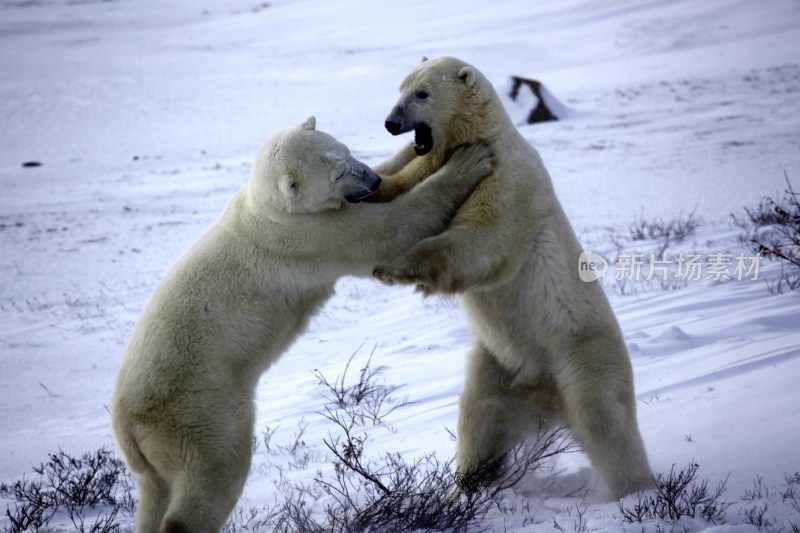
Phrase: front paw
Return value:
(392, 275)
(406, 275)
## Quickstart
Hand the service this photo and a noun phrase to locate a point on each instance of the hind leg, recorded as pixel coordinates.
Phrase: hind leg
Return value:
(153, 500)
(153, 488)
(495, 413)
(201, 503)
(206, 491)
(601, 411)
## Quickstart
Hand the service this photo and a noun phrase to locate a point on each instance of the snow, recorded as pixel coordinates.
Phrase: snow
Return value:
(146, 116)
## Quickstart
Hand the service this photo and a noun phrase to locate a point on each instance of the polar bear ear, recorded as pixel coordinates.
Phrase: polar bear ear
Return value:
(424, 59)
(288, 187)
(309, 124)
(467, 75)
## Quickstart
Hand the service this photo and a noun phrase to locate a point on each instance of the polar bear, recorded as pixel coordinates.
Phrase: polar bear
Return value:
(183, 409)
(548, 349)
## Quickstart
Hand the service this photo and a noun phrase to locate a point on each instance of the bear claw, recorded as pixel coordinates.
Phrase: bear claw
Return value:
(391, 275)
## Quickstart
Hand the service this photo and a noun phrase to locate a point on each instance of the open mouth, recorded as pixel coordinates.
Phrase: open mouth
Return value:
(423, 138)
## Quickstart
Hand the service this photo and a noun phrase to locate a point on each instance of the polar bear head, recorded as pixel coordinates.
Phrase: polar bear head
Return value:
(446, 102)
(302, 170)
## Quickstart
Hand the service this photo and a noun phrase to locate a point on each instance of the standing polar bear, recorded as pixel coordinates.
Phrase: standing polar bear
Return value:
(183, 410)
(548, 349)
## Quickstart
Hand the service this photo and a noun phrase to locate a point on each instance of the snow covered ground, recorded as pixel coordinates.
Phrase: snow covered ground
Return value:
(145, 117)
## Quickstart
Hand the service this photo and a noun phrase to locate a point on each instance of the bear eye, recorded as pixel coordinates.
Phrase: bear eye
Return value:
(421, 95)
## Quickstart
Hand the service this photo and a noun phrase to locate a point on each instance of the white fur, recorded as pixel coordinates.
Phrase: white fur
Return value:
(183, 406)
(548, 349)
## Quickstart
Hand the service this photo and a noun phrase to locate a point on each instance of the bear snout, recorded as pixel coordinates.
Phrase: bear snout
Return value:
(375, 184)
(363, 181)
(372, 180)
(397, 122)
(393, 127)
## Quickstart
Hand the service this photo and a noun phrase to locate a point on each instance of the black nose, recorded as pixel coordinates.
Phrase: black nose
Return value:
(374, 186)
(393, 127)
